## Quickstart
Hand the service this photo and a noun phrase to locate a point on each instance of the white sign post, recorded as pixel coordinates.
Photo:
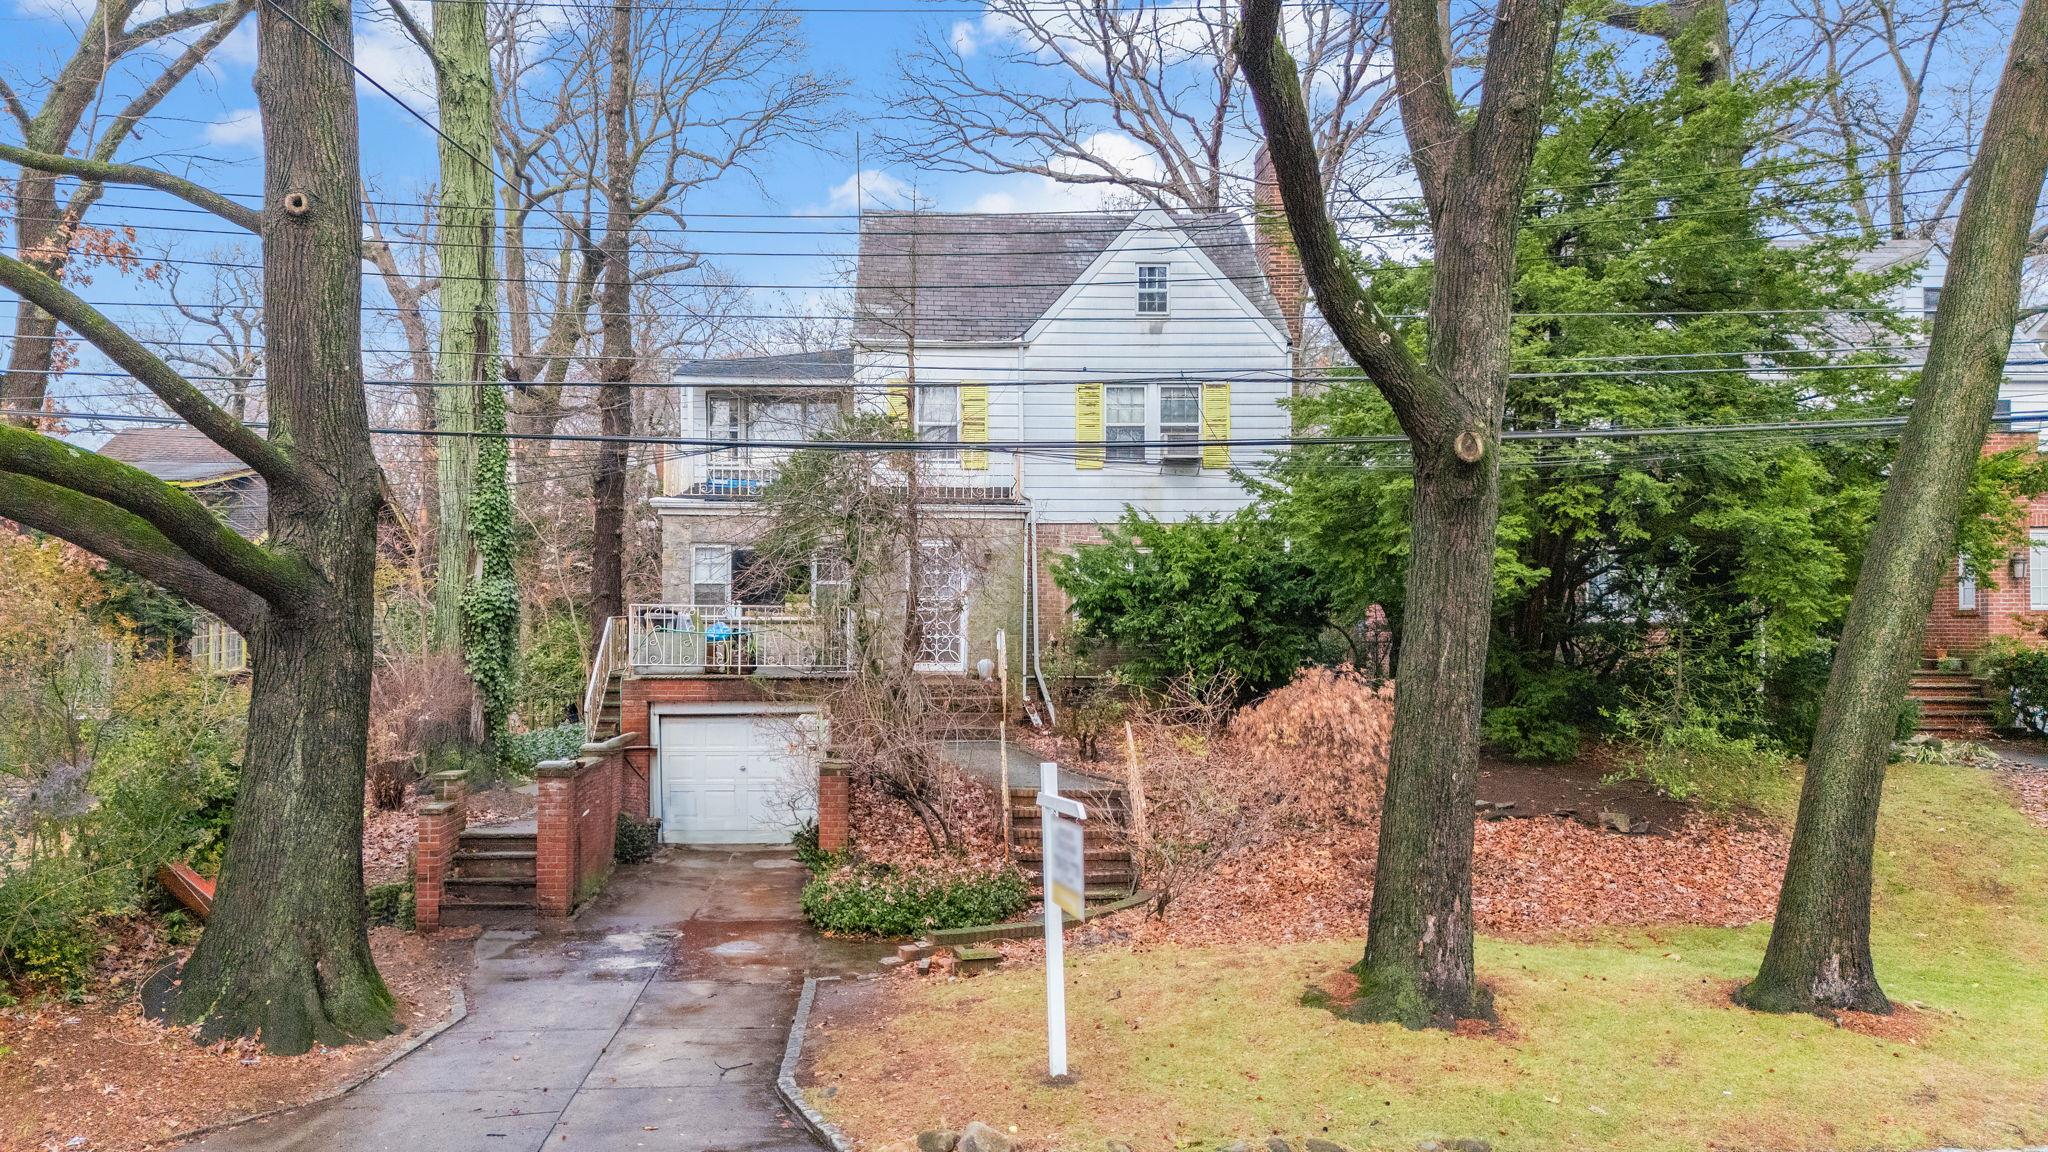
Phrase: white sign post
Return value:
(1062, 853)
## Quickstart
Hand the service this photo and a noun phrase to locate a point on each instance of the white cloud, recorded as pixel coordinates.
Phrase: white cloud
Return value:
(867, 188)
(388, 55)
(965, 37)
(240, 128)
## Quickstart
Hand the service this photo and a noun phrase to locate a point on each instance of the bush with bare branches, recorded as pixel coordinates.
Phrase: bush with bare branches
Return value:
(422, 708)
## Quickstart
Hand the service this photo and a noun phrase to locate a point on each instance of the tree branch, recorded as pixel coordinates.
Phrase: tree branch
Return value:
(1345, 301)
(128, 540)
(16, 108)
(419, 35)
(174, 390)
(172, 511)
(171, 24)
(239, 215)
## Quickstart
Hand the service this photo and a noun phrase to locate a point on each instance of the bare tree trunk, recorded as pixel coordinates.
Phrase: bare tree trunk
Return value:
(286, 953)
(615, 392)
(1819, 953)
(1418, 964)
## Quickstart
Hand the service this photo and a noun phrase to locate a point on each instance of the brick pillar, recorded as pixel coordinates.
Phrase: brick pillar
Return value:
(554, 864)
(833, 833)
(440, 823)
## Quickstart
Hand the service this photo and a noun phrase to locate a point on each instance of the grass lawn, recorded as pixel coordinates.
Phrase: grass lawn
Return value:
(1622, 1040)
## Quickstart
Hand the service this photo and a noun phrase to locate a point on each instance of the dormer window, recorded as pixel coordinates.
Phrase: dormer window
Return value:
(1151, 289)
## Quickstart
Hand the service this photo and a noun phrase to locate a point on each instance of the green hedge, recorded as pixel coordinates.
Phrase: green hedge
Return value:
(869, 900)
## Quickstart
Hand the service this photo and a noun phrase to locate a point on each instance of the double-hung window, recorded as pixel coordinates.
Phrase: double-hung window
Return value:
(938, 413)
(1930, 299)
(1180, 421)
(711, 575)
(1123, 422)
(1151, 289)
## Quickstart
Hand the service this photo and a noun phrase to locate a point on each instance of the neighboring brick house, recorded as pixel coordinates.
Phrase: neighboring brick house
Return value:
(2014, 603)
(1129, 343)
(185, 458)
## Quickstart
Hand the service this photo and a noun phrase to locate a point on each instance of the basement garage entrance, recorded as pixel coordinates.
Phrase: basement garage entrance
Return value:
(737, 777)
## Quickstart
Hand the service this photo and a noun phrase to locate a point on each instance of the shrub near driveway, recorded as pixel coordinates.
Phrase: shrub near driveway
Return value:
(869, 900)
(1625, 1040)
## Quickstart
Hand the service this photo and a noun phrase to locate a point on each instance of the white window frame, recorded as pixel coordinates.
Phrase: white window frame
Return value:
(2037, 569)
(1153, 299)
(217, 649)
(1189, 430)
(1966, 586)
(1128, 450)
(937, 431)
(720, 554)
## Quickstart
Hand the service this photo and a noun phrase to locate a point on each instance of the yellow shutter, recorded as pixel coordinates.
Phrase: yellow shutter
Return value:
(1215, 425)
(1088, 424)
(973, 426)
(899, 402)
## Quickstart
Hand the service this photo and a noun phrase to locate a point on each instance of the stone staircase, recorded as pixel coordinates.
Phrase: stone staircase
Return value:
(492, 876)
(966, 708)
(1952, 704)
(1110, 871)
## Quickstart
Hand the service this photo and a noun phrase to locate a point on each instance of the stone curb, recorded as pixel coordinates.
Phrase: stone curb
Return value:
(458, 1008)
(821, 1129)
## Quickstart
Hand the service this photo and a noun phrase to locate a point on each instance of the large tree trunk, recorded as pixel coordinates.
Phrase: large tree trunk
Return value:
(1819, 953)
(615, 391)
(1418, 967)
(286, 954)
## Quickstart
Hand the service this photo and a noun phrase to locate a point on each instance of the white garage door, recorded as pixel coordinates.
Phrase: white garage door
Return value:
(737, 779)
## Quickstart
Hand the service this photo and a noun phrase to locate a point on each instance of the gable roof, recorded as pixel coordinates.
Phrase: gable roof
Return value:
(173, 455)
(984, 277)
(185, 457)
(836, 364)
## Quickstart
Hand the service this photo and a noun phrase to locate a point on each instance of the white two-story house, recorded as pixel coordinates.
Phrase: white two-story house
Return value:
(1063, 367)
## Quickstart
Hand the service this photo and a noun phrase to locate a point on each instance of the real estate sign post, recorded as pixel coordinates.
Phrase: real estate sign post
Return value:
(1062, 853)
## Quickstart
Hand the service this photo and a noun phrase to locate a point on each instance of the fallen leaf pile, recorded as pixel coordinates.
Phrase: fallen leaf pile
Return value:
(2029, 787)
(1268, 832)
(97, 1076)
(885, 831)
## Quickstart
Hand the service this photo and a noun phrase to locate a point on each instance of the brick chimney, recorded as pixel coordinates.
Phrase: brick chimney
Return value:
(1274, 244)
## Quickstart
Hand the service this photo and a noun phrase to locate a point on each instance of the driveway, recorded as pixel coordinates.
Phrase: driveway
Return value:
(656, 1020)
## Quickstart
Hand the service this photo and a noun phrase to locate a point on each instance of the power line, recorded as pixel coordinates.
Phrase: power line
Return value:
(948, 447)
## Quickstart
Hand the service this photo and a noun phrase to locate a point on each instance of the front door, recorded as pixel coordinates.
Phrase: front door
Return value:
(942, 608)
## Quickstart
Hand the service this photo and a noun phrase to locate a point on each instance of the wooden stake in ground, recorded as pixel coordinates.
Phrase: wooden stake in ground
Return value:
(1819, 954)
(1418, 966)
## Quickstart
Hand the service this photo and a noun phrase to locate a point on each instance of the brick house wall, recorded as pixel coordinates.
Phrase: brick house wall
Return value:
(2002, 610)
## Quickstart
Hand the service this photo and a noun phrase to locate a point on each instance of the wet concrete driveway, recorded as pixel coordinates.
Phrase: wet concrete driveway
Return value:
(656, 1020)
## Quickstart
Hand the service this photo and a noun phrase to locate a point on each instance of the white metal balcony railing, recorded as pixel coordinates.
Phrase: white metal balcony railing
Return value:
(738, 640)
(728, 479)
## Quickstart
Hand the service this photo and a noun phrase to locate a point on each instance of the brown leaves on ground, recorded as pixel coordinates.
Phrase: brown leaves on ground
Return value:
(2029, 788)
(389, 835)
(886, 832)
(1269, 831)
(99, 1077)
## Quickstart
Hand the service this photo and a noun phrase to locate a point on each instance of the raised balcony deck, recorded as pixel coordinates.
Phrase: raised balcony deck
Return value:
(737, 640)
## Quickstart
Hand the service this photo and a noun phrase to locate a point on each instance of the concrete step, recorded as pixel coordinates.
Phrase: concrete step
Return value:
(497, 865)
(487, 892)
(492, 840)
